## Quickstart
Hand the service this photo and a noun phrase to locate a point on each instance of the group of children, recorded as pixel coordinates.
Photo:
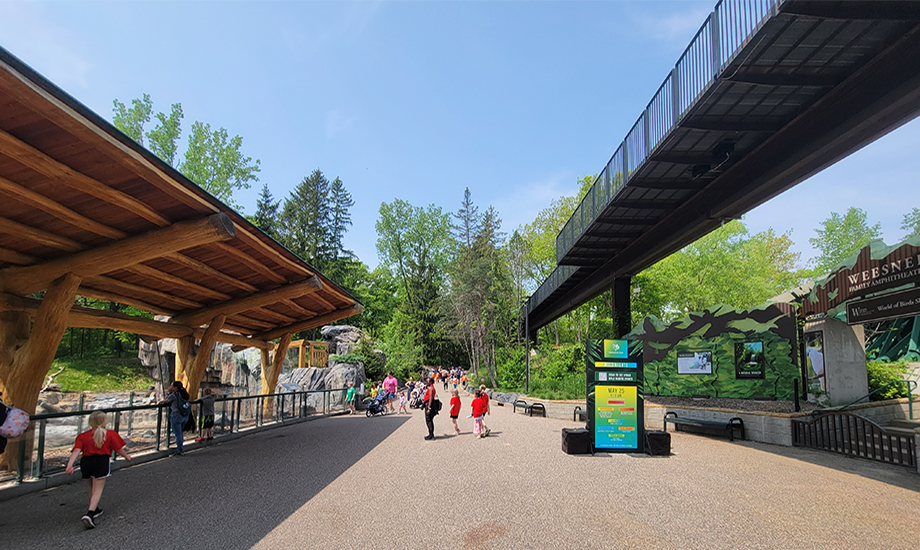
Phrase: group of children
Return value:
(480, 406)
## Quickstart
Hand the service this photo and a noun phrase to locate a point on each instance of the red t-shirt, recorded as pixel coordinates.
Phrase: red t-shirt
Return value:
(429, 393)
(455, 406)
(485, 401)
(85, 443)
(479, 407)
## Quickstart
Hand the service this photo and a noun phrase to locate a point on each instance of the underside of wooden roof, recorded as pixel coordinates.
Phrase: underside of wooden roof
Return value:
(78, 196)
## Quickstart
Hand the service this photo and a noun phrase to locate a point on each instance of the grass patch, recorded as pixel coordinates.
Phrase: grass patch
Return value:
(101, 374)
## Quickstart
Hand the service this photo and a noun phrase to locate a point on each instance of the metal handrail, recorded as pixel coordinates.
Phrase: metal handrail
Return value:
(231, 412)
(910, 400)
(727, 30)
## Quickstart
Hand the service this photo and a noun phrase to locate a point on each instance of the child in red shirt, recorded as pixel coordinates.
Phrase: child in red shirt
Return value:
(97, 444)
(488, 410)
(455, 409)
(479, 409)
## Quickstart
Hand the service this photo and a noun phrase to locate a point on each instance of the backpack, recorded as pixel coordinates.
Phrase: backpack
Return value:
(184, 408)
(16, 422)
(435, 406)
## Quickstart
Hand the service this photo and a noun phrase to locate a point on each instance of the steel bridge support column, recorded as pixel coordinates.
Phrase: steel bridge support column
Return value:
(622, 310)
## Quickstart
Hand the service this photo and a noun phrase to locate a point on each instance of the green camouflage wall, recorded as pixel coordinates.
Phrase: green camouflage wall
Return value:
(718, 328)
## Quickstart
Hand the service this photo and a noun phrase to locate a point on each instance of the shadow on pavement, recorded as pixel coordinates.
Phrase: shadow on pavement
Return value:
(226, 495)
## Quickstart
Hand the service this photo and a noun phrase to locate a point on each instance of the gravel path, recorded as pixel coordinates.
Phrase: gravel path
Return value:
(356, 482)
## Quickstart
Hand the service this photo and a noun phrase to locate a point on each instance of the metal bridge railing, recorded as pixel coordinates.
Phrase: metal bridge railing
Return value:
(45, 446)
(727, 29)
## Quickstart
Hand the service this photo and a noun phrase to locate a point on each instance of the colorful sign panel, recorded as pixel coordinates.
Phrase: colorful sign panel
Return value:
(616, 420)
(615, 403)
(694, 362)
(749, 360)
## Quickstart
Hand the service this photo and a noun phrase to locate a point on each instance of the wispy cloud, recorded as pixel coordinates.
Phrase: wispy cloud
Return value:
(675, 27)
(522, 203)
(337, 123)
(46, 47)
(350, 24)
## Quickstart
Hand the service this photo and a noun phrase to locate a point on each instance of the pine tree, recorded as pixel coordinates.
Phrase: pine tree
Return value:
(305, 220)
(266, 216)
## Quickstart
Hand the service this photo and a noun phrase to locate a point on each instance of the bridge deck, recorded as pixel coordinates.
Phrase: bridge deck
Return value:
(767, 94)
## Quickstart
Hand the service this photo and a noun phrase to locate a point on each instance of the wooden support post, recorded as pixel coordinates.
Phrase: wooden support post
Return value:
(271, 373)
(27, 352)
(190, 364)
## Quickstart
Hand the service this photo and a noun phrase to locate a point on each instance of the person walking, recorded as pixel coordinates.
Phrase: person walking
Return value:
(430, 408)
(478, 413)
(350, 397)
(179, 409)
(96, 444)
(485, 401)
(389, 385)
(455, 409)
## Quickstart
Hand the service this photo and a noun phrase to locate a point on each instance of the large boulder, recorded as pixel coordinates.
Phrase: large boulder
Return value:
(342, 338)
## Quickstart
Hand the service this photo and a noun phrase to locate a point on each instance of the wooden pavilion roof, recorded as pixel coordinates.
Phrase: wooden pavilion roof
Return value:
(77, 195)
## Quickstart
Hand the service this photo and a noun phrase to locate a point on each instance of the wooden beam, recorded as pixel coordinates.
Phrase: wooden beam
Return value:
(132, 289)
(311, 323)
(46, 204)
(87, 317)
(270, 375)
(252, 263)
(300, 310)
(123, 299)
(178, 282)
(253, 301)
(203, 355)
(43, 164)
(205, 269)
(120, 254)
(18, 258)
(41, 237)
(25, 367)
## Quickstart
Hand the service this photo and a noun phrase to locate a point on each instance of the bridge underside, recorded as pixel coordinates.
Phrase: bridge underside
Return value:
(817, 81)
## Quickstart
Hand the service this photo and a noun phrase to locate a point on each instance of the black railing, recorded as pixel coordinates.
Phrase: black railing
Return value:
(45, 446)
(853, 435)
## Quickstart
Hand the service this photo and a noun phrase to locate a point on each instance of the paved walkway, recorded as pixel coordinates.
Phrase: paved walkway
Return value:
(355, 482)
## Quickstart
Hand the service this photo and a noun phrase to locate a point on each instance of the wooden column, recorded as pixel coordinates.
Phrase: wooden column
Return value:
(190, 364)
(271, 371)
(27, 351)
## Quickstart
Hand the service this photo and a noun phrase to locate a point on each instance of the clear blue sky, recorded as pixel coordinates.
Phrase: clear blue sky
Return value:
(418, 100)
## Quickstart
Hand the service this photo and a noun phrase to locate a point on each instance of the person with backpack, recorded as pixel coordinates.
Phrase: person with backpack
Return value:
(97, 444)
(179, 411)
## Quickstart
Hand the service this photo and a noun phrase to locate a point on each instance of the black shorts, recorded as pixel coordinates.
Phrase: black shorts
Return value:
(207, 421)
(95, 466)
(455, 416)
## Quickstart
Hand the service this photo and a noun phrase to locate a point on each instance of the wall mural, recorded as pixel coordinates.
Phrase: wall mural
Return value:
(721, 352)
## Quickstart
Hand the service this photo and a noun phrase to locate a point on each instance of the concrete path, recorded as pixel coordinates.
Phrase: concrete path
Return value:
(356, 482)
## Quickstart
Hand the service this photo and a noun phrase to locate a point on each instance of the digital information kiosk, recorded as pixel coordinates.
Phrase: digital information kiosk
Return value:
(616, 412)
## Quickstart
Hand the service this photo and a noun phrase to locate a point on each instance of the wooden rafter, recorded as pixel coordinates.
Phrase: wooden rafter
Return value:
(178, 282)
(311, 323)
(120, 254)
(131, 289)
(43, 164)
(11, 227)
(18, 258)
(252, 301)
(252, 263)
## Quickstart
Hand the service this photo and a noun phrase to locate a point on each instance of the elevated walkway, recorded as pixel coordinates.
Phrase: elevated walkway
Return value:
(767, 94)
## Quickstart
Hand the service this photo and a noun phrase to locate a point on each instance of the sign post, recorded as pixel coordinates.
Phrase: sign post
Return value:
(616, 411)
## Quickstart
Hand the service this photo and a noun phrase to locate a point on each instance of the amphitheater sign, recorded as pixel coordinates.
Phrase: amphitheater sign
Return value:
(874, 269)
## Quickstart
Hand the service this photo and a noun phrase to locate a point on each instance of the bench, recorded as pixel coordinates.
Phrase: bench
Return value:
(579, 413)
(529, 407)
(716, 425)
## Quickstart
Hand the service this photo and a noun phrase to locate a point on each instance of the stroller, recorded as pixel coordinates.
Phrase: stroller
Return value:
(417, 400)
(376, 405)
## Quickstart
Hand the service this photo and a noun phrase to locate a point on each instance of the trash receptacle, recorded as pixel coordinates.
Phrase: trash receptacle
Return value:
(658, 443)
(575, 441)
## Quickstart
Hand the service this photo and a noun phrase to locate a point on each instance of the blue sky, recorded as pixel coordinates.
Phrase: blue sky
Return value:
(418, 100)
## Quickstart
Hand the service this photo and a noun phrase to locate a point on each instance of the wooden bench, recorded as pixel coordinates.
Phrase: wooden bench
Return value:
(529, 407)
(716, 425)
(579, 413)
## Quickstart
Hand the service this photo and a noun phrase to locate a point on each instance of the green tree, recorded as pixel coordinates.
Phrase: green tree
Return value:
(414, 243)
(911, 223)
(164, 139)
(131, 120)
(842, 236)
(340, 203)
(266, 216)
(214, 161)
(305, 219)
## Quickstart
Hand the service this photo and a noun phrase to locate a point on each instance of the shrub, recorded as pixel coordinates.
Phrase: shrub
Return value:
(881, 373)
(571, 386)
(565, 360)
(511, 366)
